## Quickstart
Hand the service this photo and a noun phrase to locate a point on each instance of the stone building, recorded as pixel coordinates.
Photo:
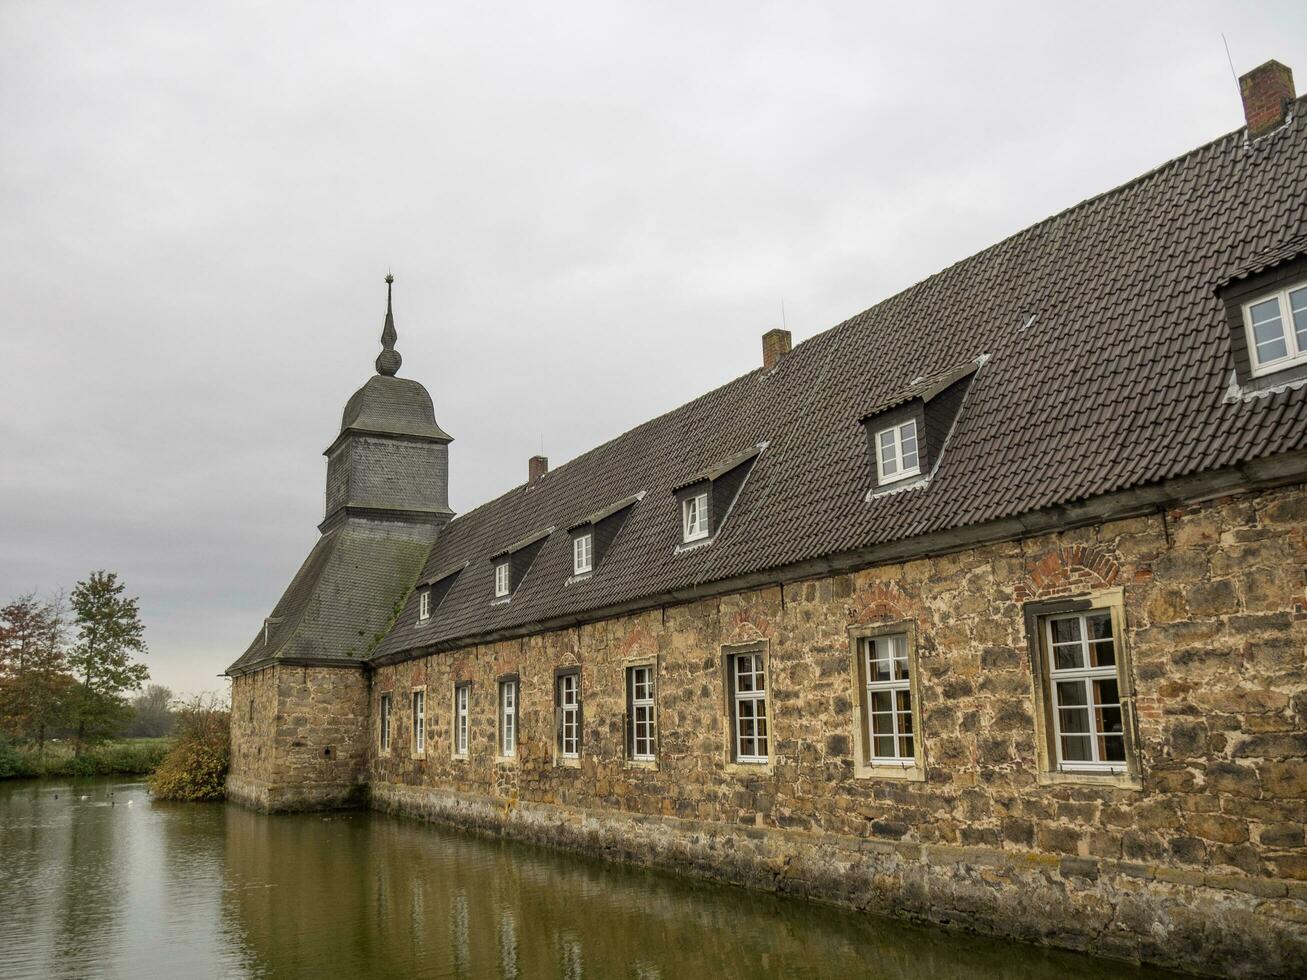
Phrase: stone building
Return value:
(986, 607)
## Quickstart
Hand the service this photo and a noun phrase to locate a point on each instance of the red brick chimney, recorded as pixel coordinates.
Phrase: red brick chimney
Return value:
(536, 467)
(1267, 91)
(775, 345)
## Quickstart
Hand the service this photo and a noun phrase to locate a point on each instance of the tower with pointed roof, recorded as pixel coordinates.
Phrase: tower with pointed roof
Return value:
(387, 497)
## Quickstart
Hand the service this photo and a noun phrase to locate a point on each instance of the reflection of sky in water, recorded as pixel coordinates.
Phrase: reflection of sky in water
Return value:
(97, 881)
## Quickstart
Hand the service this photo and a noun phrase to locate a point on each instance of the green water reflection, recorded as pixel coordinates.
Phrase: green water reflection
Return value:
(98, 881)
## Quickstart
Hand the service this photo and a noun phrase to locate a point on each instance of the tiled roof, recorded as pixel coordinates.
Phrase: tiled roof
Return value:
(1108, 367)
(343, 596)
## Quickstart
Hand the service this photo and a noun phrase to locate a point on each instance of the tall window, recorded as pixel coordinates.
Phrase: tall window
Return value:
(748, 680)
(890, 735)
(501, 579)
(419, 722)
(508, 718)
(896, 452)
(461, 692)
(1277, 329)
(1088, 725)
(568, 709)
(583, 553)
(424, 604)
(385, 723)
(642, 733)
(694, 517)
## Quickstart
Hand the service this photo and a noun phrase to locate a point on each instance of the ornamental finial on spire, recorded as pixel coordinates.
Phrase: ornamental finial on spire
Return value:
(388, 361)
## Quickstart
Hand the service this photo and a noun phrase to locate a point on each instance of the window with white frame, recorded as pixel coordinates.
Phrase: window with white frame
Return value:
(419, 722)
(424, 605)
(583, 553)
(1277, 329)
(385, 723)
(896, 452)
(748, 679)
(890, 733)
(694, 517)
(508, 718)
(642, 735)
(461, 697)
(1085, 688)
(501, 579)
(568, 708)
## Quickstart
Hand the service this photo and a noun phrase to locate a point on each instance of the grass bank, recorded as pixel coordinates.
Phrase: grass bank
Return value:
(126, 757)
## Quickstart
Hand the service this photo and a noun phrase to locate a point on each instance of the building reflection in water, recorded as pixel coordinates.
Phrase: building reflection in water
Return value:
(319, 895)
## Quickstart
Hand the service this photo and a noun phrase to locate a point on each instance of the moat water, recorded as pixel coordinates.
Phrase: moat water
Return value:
(97, 880)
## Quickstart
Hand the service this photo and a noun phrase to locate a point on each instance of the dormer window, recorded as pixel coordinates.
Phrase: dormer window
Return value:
(694, 517)
(896, 452)
(908, 432)
(1276, 328)
(424, 605)
(512, 563)
(583, 553)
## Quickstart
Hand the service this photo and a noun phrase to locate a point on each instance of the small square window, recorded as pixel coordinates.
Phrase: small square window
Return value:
(694, 517)
(1277, 329)
(583, 553)
(501, 579)
(897, 456)
(424, 604)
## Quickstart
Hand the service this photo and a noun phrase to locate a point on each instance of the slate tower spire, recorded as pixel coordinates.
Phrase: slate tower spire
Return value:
(388, 361)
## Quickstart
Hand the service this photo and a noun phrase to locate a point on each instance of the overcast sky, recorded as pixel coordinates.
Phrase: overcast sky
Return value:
(592, 211)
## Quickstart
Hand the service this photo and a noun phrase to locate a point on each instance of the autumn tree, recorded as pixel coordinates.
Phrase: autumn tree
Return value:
(109, 631)
(35, 686)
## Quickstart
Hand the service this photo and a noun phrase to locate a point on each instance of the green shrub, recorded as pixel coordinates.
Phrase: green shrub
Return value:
(15, 763)
(196, 767)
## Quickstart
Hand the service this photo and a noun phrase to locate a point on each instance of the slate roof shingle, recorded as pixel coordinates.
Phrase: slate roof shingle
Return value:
(1119, 381)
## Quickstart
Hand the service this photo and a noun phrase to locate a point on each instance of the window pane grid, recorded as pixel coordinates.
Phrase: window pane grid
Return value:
(569, 703)
(1277, 327)
(460, 719)
(896, 452)
(419, 721)
(424, 606)
(643, 733)
(1088, 723)
(750, 708)
(582, 554)
(508, 718)
(695, 511)
(890, 731)
(501, 579)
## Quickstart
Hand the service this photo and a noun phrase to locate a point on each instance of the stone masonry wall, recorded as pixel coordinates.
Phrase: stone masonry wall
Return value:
(1203, 865)
(299, 737)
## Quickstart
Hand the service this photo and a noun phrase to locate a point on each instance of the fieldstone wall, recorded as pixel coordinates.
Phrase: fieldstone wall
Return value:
(299, 738)
(1202, 865)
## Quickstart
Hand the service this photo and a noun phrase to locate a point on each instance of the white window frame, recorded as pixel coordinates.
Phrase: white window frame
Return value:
(694, 517)
(508, 718)
(502, 579)
(418, 703)
(424, 605)
(462, 703)
(897, 686)
(583, 553)
(385, 711)
(1295, 351)
(1085, 676)
(644, 714)
(756, 700)
(900, 472)
(568, 686)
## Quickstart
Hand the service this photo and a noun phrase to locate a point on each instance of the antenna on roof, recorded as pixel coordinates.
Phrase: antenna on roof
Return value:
(1233, 74)
(784, 325)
